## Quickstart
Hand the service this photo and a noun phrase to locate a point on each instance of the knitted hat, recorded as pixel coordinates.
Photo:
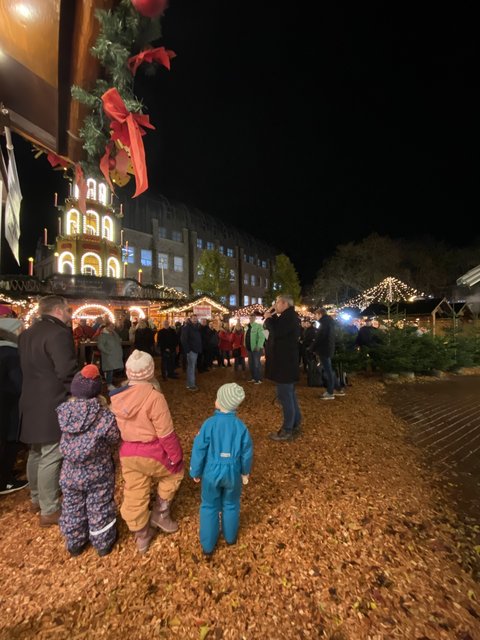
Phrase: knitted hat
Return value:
(10, 324)
(87, 383)
(140, 366)
(5, 311)
(230, 396)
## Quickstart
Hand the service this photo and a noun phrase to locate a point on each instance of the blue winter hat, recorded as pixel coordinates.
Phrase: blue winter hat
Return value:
(87, 383)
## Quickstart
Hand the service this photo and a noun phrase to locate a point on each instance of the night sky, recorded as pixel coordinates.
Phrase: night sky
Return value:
(310, 131)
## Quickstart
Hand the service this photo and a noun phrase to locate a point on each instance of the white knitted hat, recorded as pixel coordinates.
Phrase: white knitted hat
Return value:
(230, 396)
(140, 366)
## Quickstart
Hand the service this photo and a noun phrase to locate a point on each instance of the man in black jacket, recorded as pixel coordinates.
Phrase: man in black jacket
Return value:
(283, 325)
(324, 347)
(48, 361)
(167, 341)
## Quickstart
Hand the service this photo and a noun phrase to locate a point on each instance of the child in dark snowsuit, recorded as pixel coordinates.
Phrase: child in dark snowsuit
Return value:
(222, 458)
(89, 433)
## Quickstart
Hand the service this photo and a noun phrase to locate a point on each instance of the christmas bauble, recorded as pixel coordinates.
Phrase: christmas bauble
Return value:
(150, 8)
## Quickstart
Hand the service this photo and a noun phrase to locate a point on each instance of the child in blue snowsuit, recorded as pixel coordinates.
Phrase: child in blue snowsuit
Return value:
(89, 433)
(222, 458)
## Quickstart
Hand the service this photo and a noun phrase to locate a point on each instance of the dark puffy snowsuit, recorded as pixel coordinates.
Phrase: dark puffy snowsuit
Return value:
(89, 432)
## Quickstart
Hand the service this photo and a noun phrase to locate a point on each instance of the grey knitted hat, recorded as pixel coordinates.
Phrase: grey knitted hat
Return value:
(230, 396)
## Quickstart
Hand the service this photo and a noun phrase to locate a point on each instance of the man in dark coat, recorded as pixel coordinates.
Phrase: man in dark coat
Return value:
(48, 361)
(167, 341)
(191, 339)
(324, 347)
(283, 325)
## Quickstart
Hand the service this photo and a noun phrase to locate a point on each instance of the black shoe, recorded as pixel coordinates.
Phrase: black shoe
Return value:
(13, 485)
(77, 551)
(106, 550)
(297, 432)
(281, 436)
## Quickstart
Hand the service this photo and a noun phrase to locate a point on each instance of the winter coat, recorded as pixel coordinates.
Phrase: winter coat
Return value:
(89, 432)
(144, 340)
(257, 336)
(10, 386)
(324, 344)
(48, 361)
(167, 339)
(110, 347)
(223, 440)
(238, 343)
(282, 349)
(225, 340)
(146, 426)
(191, 337)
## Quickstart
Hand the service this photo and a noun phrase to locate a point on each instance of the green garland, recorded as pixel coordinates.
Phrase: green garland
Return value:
(123, 33)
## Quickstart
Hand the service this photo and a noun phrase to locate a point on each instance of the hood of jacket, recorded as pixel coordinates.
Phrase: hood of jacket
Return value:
(77, 416)
(127, 401)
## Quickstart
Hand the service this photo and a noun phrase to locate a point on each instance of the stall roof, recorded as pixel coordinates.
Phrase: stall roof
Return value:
(414, 308)
(186, 305)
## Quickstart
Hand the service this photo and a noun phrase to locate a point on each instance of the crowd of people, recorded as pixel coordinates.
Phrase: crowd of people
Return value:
(74, 434)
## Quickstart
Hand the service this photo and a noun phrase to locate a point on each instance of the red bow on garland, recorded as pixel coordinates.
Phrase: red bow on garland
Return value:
(161, 55)
(127, 128)
(55, 160)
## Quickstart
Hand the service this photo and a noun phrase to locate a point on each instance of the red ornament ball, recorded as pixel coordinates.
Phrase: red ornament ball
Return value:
(112, 163)
(150, 8)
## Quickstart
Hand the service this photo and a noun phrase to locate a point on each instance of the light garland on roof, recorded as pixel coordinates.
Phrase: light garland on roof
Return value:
(249, 310)
(203, 300)
(171, 290)
(387, 291)
(80, 313)
(137, 311)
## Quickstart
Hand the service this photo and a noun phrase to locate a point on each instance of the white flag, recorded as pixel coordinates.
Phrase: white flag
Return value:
(12, 208)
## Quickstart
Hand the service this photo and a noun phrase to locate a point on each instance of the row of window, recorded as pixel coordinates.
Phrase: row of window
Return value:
(175, 235)
(128, 255)
(232, 300)
(230, 253)
(251, 260)
(255, 281)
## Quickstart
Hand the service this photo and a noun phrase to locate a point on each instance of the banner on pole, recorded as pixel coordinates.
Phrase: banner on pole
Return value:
(12, 207)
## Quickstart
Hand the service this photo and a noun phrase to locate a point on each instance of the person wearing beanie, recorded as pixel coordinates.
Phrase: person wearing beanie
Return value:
(150, 450)
(89, 436)
(10, 390)
(221, 458)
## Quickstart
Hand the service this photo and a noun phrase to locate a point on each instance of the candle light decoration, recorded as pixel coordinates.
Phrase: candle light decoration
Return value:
(30, 266)
(45, 236)
(140, 275)
(55, 201)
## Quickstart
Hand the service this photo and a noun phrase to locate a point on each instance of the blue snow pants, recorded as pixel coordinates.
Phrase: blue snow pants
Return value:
(88, 509)
(221, 491)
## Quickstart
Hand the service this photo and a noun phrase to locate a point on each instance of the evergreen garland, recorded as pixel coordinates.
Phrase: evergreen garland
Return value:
(123, 33)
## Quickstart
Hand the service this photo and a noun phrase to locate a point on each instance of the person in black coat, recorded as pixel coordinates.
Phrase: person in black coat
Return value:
(324, 347)
(283, 325)
(167, 341)
(48, 361)
(10, 389)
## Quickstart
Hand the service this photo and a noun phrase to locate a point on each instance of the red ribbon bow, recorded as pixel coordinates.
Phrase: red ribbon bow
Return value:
(161, 55)
(127, 128)
(55, 160)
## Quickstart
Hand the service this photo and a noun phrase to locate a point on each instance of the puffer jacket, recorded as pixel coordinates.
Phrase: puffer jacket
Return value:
(146, 425)
(89, 431)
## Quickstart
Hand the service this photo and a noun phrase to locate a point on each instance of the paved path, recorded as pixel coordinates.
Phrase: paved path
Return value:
(444, 421)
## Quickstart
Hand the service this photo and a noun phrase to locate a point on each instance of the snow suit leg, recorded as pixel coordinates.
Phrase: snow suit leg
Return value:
(102, 511)
(209, 514)
(231, 511)
(73, 521)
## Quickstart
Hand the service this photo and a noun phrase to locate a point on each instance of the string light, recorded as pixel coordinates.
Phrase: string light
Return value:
(80, 312)
(249, 310)
(203, 300)
(138, 311)
(387, 291)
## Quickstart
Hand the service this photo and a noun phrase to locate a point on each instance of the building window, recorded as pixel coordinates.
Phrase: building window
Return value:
(245, 278)
(264, 264)
(146, 258)
(131, 255)
(210, 246)
(246, 300)
(251, 259)
(232, 275)
(233, 300)
(177, 263)
(162, 261)
(252, 280)
(245, 257)
(223, 299)
(229, 252)
(162, 232)
(260, 300)
(199, 243)
(221, 250)
(177, 236)
(254, 300)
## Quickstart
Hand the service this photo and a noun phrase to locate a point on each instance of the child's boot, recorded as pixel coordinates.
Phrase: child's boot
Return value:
(144, 537)
(161, 516)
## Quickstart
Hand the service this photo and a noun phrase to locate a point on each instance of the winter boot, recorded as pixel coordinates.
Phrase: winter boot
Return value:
(161, 516)
(144, 537)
